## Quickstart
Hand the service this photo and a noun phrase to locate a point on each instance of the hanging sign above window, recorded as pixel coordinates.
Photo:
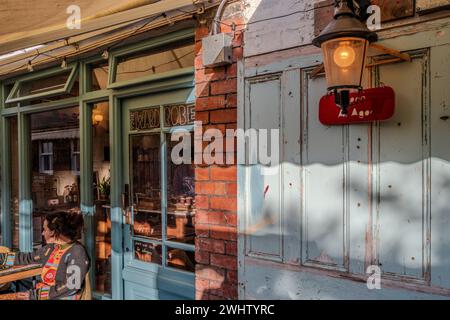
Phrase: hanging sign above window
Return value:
(144, 119)
(369, 105)
(179, 115)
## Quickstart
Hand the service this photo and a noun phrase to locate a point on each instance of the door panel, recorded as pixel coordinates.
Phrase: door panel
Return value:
(323, 174)
(159, 261)
(403, 171)
(263, 220)
(440, 166)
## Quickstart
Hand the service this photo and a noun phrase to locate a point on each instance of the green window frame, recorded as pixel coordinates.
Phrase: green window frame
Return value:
(40, 75)
(159, 42)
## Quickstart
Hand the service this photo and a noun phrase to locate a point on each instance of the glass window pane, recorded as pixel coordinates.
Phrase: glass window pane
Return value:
(179, 115)
(74, 92)
(8, 88)
(148, 252)
(43, 85)
(155, 61)
(146, 190)
(14, 166)
(180, 259)
(47, 165)
(102, 187)
(54, 185)
(99, 75)
(181, 191)
(76, 162)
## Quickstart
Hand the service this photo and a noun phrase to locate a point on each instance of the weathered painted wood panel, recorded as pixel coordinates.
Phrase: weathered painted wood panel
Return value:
(291, 166)
(271, 283)
(390, 10)
(265, 33)
(424, 6)
(323, 184)
(264, 213)
(402, 171)
(440, 166)
(272, 219)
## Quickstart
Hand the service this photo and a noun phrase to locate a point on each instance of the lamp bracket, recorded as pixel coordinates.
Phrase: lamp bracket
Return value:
(359, 8)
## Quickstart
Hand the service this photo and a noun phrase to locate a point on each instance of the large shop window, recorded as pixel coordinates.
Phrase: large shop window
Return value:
(14, 180)
(164, 217)
(153, 63)
(62, 83)
(55, 137)
(97, 75)
(102, 187)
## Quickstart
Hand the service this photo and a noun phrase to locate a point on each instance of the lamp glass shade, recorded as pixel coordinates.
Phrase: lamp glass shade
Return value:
(344, 60)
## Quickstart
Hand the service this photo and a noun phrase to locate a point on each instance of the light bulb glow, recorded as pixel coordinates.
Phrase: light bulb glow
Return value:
(97, 119)
(344, 56)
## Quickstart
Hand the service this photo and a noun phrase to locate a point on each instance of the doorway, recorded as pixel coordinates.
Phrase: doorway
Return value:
(159, 197)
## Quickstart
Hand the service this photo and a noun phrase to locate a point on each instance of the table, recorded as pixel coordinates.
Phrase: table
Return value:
(19, 272)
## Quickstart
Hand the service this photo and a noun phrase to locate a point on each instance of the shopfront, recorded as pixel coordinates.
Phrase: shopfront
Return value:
(96, 134)
(95, 137)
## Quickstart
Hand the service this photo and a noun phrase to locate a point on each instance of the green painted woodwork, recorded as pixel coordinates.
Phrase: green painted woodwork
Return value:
(36, 76)
(115, 93)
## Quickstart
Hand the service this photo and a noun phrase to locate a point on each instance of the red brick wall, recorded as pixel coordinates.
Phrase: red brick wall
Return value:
(216, 188)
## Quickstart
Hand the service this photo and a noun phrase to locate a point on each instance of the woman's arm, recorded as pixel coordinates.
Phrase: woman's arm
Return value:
(38, 256)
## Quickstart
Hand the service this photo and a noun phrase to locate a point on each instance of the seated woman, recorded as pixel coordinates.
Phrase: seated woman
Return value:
(65, 261)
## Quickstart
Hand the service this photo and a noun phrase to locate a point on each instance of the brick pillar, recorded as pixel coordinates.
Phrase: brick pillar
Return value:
(216, 185)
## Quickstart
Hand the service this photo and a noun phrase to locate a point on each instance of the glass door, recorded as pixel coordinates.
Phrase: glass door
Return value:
(159, 198)
(147, 224)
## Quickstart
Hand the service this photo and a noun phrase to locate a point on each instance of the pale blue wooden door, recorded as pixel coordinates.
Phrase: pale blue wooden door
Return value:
(146, 273)
(348, 197)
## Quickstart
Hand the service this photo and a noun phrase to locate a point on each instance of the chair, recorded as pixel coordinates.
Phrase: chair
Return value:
(87, 291)
(6, 285)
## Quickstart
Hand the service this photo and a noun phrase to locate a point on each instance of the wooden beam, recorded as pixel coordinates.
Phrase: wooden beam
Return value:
(317, 71)
(392, 52)
(385, 61)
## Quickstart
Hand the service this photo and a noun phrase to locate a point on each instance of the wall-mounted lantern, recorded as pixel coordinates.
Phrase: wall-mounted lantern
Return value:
(344, 42)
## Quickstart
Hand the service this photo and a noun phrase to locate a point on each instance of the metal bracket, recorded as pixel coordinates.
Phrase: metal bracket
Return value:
(200, 8)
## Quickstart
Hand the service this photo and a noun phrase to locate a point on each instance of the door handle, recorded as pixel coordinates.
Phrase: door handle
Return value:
(128, 214)
(125, 197)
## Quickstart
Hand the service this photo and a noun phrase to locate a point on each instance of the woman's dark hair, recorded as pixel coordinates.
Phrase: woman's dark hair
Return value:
(69, 224)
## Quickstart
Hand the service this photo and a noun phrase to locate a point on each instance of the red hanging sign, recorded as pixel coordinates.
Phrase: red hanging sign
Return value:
(369, 105)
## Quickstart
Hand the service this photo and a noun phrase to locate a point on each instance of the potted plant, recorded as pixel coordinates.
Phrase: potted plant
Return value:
(104, 188)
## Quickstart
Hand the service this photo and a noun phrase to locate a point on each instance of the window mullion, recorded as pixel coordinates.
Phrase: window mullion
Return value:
(163, 190)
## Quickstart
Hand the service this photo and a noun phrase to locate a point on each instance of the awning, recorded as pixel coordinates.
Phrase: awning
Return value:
(43, 24)
(44, 21)
(56, 134)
